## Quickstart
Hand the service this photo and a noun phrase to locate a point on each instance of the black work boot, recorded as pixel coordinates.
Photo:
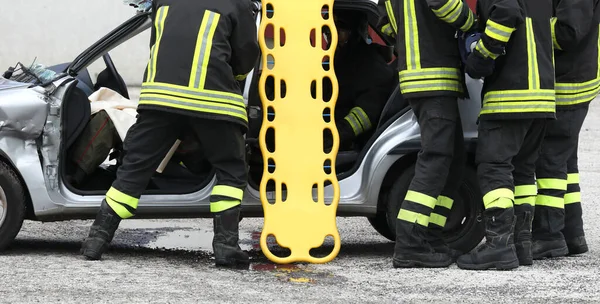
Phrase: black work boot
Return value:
(498, 251)
(225, 241)
(573, 230)
(413, 250)
(524, 214)
(101, 233)
(435, 237)
(548, 240)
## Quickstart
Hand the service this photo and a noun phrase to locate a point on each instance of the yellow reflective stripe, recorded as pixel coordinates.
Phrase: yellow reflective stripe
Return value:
(223, 205)
(494, 195)
(498, 31)
(501, 202)
(229, 191)
(530, 200)
(450, 11)
(437, 219)
(574, 88)
(525, 190)
(430, 73)
(572, 198)
(421, 198)
(411, 36)
(445, 202)
(534, 73)
(552, 29)
(351, 119)
(362, 118)
(469, 23)
(413, 217)
(431, 85)
(183, 91)
(159, 24)
(387, 29)
(203, 49)
(390, 11)
(573, 178)
(567, 99)
(549, 201)
(517, 107)
(119, 209)
(170, 102)
(520, 95)
(122, 197)
(241, 77)
(552, 183)
(480, 47)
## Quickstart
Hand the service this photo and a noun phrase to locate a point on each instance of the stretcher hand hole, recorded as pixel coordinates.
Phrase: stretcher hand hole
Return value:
(324, 43)
(315, 189)
(327, 115)
(269, 42)
(327, 136)
(327, 85)
(270, 83)
(282, 89)
(327, 166)
(270, 62)
(281, 37)
(270, 10)
(325, 12)
(276, 249)
(270, 139)
(270, 114)
(325, 249)
(326, 63)
(271, 165)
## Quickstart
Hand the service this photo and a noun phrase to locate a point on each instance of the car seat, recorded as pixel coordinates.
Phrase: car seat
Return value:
(76, 113)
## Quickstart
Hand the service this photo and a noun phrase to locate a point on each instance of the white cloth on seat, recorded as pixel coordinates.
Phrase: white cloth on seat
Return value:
(121, 110)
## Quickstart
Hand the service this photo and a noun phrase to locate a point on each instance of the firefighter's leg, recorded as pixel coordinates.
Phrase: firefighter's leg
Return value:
(145, 145)
(573, 230)
(224, 148)
(551, 174)
(525, 190)
(498, 142)
(437, 118)
(443, 206)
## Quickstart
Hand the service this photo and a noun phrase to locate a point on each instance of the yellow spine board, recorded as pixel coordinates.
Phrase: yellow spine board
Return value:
(301, 222)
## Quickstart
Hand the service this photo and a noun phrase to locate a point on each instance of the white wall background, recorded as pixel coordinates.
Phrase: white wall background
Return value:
(56, 31)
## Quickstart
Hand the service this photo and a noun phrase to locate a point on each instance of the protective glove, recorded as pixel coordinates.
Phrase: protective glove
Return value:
(466, 44)
(478, 66)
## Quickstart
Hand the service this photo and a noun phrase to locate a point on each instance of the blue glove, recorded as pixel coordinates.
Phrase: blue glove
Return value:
(466, 44)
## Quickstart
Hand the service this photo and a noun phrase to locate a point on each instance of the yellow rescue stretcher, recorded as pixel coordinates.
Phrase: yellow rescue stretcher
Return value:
(298, 120)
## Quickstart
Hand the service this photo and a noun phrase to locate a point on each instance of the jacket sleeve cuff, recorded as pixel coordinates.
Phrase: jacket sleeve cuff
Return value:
(498, 32)
(485, 51)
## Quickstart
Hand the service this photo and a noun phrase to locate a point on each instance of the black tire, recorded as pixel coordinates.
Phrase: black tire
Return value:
(464, 229)
(15, 205)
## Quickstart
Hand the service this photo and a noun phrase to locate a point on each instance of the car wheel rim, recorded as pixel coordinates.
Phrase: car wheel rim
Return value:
(3, 206)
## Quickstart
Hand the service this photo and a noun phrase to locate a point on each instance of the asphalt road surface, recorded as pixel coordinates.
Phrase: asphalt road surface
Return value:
(170, 261)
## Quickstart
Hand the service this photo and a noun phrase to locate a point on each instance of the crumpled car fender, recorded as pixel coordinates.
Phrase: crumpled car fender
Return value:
(23, 113)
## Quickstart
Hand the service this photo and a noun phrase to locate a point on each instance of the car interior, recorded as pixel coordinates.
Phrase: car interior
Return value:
(177, 179)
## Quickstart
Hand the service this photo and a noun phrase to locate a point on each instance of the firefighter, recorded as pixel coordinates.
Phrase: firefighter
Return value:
(514, 55)
(557, 225)
(431, 80)
(199, 49)
(365, 79)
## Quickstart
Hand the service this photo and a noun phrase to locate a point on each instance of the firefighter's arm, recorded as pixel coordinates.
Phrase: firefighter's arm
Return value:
(371, 100)
(244, 43)
(572, 22)
(391, 27)
(454, 12)
(504, 17)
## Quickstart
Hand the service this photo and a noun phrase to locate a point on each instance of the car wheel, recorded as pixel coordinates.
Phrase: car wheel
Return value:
(12, 205)
(464, 228)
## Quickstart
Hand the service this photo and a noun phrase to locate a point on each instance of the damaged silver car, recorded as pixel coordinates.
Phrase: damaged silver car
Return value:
(43, 113)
